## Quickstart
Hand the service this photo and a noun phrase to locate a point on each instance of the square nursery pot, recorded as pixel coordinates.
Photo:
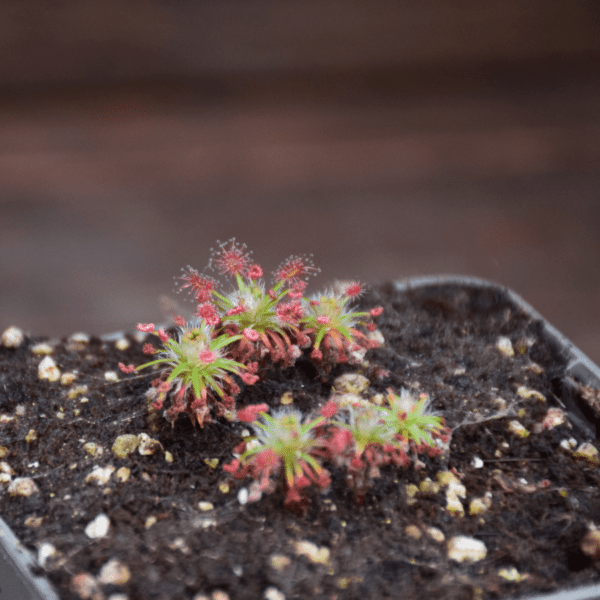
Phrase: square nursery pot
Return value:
(512, 514)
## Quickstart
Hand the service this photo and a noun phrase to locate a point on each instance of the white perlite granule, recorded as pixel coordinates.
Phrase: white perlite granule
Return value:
(98, 528)
(462, 548)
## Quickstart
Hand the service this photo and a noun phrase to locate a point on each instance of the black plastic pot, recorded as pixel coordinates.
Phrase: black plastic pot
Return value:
(17, 565)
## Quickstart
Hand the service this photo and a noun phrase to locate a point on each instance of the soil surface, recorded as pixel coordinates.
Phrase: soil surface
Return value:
(181, 529)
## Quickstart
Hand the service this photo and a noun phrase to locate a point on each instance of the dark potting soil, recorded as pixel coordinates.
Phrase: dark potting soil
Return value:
(442, 341)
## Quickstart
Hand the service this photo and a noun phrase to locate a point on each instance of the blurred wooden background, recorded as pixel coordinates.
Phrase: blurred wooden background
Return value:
(390, 139)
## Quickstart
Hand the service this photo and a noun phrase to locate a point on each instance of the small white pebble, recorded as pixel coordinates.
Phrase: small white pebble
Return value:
(6, 468)
(511, 574)
(243, 496)
(462, 548)
(45, 551)
(477, 462)
(528, 393)
(118, 597)
(78, 390)
(272, 593)
(279, 561)
(478, 506)
(518, 429)
(569, 444)
(12, 337)
(34, 522)
(453, 505)
(123, 474)
(589, 453)
(413, 531)
(85, 586)
(436, 534)
(351, 383)
(23, 486)
(67, 378)
(505, 346)
(125, 444)
(98, 528)
(111, 376)
(114, 572)
(100, 475)
(42, 348)
(179, 544)
(310, 550)
(150, 521)
(93, 449)
(554, 417)
(122, 344)
(80, 338)
(47, 369)
(147, 445)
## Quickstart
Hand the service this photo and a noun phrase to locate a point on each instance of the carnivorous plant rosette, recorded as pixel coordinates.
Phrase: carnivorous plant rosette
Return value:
(198, 371)
(331, 326)
(285, 443)
(409, 417)
(269, 326)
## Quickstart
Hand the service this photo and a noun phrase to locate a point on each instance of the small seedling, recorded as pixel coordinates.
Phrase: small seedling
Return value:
(332, 327)
(269, 326)
(409, 418)
(285, 443)
(199, 374)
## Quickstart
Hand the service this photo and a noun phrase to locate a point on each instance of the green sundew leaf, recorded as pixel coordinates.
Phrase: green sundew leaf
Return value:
(345, 332)
(312, 462)
(270, 421)
(214, 385)
(172, 344)
(298, 471)
(226, 302)
(277, 286)
(251, 451)
(261, 425)
(155, 362)
(240, 282)
(176, 371)
(304, 429)
(196, 382)
(223, 340)
(319, 337)
(433, 422)
(289, 472)
(229, 364)
(418, 434)
(428, 439)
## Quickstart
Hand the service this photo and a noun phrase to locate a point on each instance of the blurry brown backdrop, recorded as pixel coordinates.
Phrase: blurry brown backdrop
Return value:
(389, 138)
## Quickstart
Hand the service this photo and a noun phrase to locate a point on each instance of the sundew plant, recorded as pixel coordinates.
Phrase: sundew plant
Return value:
(238, 335)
